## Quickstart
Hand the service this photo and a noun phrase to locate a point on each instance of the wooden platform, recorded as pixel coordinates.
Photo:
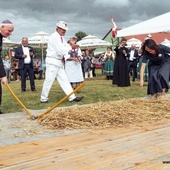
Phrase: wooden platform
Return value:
(143, 148)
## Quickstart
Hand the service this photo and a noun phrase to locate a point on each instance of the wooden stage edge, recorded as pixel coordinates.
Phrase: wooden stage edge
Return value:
(132, 148)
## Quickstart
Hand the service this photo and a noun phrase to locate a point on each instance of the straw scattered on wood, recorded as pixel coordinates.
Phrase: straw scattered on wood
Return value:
(108, 114)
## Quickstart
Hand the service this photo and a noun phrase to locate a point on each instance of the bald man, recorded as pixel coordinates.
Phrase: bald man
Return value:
(6, 29)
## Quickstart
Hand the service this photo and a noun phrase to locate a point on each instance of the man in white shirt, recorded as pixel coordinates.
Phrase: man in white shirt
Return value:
(132, 61)
(57, 50)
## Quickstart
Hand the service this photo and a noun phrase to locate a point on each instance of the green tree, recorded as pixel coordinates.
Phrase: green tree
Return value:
(5, 51)
(80, 35)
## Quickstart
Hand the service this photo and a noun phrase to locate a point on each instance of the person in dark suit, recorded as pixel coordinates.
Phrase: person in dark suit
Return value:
(25, 54)
(132, 61)
(6, 29)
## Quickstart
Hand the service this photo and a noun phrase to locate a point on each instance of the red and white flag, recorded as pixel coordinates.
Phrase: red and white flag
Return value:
(114, 27)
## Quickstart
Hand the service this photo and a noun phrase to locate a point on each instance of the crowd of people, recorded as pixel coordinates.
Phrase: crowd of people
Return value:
(86, 64)
(71, 66)
(120, 64)
(151, 60)
(12, 69)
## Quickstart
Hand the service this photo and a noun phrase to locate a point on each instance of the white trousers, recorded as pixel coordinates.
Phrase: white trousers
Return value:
(51, 73)
(89, 73)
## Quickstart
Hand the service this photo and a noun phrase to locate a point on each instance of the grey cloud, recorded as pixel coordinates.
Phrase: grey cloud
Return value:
(90, 16)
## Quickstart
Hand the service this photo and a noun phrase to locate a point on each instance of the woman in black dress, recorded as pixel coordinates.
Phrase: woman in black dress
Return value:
(158, 67)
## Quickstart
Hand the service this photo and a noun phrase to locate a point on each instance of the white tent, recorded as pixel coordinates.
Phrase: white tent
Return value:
(92, 42)
(157, 24)
(39, 40)
(8, 43)
(166, 42)
(135, 41)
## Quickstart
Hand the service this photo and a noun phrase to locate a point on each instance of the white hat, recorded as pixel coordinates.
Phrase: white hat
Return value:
(62, 24)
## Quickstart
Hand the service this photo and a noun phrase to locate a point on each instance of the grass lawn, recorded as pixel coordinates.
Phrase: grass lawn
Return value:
(98, 89)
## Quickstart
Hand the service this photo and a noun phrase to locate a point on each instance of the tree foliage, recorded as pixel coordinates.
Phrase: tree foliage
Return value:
(80, 35)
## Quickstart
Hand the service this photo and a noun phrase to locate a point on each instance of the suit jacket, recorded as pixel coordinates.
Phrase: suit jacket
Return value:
(136, 55)
(2, 70)
(18, 55)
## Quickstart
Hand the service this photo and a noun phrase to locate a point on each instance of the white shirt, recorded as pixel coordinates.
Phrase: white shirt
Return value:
(109, 54)
(57, 49)
(27, 60)
(131, 55)
(7, 64)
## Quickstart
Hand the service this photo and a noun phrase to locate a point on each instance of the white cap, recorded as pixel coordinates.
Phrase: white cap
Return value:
(62, 24)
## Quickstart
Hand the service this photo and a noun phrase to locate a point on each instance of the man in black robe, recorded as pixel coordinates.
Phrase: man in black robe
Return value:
(6, 29)
(120, 73)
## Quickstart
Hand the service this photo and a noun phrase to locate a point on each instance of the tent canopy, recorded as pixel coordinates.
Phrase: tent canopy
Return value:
(92, 42)
(166, 42)
(135, 41)
(39, 40)
(8, 43)
(157, 24)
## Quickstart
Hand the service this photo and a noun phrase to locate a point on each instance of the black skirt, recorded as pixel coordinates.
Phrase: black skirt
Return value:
(159, 76)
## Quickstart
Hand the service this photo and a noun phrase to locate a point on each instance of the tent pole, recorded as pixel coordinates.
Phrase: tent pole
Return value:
(42, 61)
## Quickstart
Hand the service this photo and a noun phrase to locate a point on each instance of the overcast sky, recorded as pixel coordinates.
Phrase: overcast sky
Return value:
(89, 16)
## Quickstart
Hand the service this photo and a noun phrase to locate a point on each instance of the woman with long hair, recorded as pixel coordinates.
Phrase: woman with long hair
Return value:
(158, 67)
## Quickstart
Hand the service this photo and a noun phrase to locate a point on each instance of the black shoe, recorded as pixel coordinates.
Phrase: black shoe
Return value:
(44, 101)
(1, 112)
(77, 99)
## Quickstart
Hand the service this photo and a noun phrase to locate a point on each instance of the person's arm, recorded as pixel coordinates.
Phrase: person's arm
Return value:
(142, 69)
(57, 49)
(127, 54)
(166, 49)
(116, 49)
(105, 57)
(37, 66)
(18, 54)
(2, 69)
(31, 52)
(76, 59)
(3, 77)
(4, 80)
(112, 56)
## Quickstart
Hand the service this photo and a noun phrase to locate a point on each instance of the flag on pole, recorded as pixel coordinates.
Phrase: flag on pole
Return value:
(114, 27)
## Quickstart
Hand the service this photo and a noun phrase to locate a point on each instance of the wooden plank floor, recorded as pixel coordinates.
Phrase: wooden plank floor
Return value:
(111, 149)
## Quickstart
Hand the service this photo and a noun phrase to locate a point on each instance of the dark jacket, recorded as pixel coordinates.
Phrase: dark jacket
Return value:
(136, 55)
(2, 70)
(18, 55)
